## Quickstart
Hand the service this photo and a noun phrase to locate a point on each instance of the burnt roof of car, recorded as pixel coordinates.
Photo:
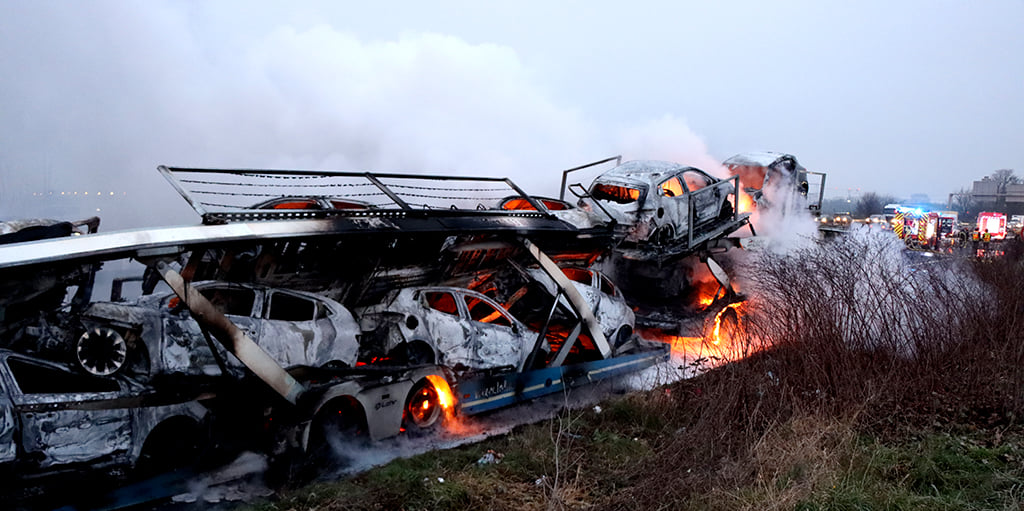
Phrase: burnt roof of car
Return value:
(644, 169)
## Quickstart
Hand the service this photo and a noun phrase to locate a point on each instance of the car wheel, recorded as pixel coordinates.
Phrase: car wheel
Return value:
(663, 236)
(338, 423)
(423, 407)
(101, 351)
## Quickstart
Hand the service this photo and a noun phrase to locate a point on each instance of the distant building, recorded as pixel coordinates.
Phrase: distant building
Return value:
(985, 196)
(987, 190)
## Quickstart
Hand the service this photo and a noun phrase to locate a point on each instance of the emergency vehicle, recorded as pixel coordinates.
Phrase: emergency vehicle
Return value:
(924, 229)
(995, 223)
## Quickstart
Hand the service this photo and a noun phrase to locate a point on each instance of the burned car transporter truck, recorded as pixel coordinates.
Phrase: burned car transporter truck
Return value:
(324, 257)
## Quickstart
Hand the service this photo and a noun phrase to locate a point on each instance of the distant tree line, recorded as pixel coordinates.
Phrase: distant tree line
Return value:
(962, 201)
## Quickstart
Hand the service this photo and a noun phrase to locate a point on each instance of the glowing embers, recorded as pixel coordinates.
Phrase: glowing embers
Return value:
(706, 290)
(427, 402)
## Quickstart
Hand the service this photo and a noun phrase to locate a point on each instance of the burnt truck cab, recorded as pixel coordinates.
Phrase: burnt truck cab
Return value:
(774, 179)
(660, 202)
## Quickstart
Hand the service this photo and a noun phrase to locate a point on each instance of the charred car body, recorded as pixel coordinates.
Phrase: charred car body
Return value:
(157, 336)
(55, 419)
(661, 202)
(317, 372)
(451, 326)
(615, 316)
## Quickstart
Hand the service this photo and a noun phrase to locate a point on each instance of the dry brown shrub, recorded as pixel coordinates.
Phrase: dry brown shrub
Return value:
(850, 335)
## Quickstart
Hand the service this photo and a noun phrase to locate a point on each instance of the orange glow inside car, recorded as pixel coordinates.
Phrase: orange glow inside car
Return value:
(620, 194)
(524, 205)
(297, 204)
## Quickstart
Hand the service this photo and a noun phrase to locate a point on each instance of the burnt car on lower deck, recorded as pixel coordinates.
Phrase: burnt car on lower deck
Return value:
(55, 418)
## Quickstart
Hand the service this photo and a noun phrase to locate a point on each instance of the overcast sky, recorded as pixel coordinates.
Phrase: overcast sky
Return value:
(894, 97)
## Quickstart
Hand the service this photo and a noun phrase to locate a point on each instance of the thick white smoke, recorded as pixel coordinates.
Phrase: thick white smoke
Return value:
(128, 87)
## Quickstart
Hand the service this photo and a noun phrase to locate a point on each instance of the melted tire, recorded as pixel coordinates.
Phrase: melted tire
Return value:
(422, 408)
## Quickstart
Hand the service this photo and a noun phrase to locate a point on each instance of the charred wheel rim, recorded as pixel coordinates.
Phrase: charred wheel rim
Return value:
(101, 351)
(423, 408)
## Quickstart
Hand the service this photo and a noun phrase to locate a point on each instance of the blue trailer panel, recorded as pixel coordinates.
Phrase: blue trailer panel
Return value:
(489, 392)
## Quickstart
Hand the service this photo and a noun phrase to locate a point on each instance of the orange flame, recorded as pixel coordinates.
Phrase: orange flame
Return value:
(444, 393)
(707, 291)
(717, 345)
(746, 203)
(453, 424)
(716, 336)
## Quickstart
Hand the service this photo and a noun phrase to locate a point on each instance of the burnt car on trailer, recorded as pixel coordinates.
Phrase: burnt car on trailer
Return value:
(606, 301)
(56, 419)
(156, 334)
(450, 326)
(660, 202)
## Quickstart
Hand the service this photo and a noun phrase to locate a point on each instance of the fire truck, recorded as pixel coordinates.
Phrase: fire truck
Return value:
(994, 223)
(921, 229)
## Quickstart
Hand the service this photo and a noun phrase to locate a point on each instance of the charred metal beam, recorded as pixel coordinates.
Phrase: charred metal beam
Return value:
(565, 173)
(387, 191)
(574, 296)
(566, 347)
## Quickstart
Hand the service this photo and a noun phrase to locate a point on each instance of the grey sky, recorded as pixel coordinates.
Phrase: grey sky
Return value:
(895, 97)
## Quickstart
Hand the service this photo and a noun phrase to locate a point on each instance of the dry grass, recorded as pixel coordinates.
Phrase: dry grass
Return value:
(875, 384)
(850, 339)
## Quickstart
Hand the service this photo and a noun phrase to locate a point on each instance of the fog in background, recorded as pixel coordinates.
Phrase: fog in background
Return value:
(898, 98)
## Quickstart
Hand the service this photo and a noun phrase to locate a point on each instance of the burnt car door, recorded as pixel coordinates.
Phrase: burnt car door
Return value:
(706, 201)
(497, 339)
(449, 331)
(67, 417)
(184, 347)
(672, 211)
(296, 330)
